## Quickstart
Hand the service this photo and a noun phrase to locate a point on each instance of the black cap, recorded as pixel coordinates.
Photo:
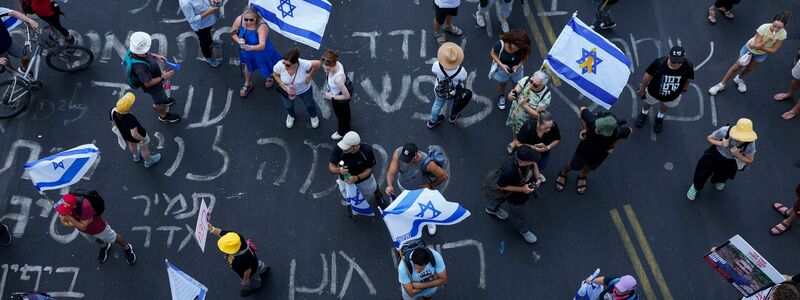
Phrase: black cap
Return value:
(677, 55)
(526, 153)
(408, 152)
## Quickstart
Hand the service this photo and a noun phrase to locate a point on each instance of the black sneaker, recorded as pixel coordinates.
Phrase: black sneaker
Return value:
(129, 255)
(5, 235)
(170, 118)
(452, 119)
(640, 120)
(440, 120)
(264, 275)
(608, 26)
(103, 255)
(246, 292)
(659, 125)
(170, 102)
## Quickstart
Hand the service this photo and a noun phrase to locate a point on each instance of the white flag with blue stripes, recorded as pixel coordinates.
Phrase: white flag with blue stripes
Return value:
(415, 208)
(303, 21)
(63, 169)
(589, 63)
(352, 195)
(9, 21)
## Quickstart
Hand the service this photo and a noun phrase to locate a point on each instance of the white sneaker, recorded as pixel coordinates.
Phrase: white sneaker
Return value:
(504, 27)
(529, 237)
(719, 186)
(740, 84)
(314, 122)
(431, 229)
(716, 89)
(542, 178)
(289, 121)
(336, 136)
(480, 19)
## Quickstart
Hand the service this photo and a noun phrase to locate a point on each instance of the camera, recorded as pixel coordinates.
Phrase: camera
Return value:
(218, 3)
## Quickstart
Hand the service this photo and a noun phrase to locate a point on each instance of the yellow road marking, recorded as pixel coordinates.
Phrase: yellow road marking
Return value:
(648, 253)
(545, 22)
(537, 35)
(637, 264)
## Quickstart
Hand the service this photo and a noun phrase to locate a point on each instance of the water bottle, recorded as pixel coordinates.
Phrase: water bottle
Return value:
(342, 166)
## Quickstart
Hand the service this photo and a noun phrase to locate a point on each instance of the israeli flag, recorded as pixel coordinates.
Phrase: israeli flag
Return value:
(589, 63)
(352, 195)
(303, 21)
(9, 21)
(414, 208)
(63, 169)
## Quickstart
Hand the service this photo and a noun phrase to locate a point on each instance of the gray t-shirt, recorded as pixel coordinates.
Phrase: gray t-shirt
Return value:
(719, 134)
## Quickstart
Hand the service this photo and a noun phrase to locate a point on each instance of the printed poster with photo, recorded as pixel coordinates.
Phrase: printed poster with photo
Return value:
(743, 267)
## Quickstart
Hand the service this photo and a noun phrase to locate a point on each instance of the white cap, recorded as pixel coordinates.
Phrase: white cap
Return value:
(140, 42)
(350, 139)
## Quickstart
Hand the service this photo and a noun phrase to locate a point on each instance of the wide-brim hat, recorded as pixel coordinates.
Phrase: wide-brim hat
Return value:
(743, 131)
(229, 243)
(450, 55)
(139, 42)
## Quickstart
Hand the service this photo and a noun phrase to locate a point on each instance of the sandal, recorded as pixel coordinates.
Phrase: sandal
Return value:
(781, 97)
(780, 228)
(581, 187)
(728, 14)
(440, 38)
(245, 90)
(510, 148)
(560, 181)
(712, 16)
(789, 115)
(453, 29)
(268, 83)
(781, 209)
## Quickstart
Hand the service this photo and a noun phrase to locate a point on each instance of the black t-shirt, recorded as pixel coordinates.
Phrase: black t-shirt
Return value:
(245, 261)
(513, 175)
(527, 134)
(506, 58)
(666, 84)
(146, 74)
(596, 146)
(356, 162)
(126, 122)
(5, 36)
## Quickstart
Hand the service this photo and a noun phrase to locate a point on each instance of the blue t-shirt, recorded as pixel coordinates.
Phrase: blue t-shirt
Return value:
(424, 276)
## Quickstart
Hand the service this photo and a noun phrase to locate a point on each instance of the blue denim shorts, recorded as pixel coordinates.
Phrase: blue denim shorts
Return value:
(758, 57)
(502, 77)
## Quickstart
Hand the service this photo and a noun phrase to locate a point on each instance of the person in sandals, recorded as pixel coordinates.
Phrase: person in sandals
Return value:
(444, 11)
(790, 214)
(725, 6)
(732, 147)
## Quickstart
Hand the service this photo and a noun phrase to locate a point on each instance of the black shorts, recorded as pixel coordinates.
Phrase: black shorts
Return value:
(442, 13)
(578, 161)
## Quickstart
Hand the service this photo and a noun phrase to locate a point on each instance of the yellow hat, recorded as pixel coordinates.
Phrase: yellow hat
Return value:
(125, 103)
(743, 131)
(450, 55)
(229, 243)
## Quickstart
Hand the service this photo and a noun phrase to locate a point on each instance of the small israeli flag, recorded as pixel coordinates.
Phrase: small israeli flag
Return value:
(303, 21)
(591, 290)
(352, 195)
(8, 20)
(413, 208)
(63, 169)
(590, 63)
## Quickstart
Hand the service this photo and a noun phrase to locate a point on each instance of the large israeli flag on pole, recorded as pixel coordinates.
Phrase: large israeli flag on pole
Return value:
(414, 208)
(63, 169)
(589, 63)
(303, 21)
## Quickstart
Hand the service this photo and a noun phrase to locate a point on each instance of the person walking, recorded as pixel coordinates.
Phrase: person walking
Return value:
(83, 210)
(202, 15)
(50, 12)
(241, 256)
(725, 6)
(337, 92)
(354, 163)
(519, 177)
(132, 131)
(665, 80)
(618, 288)
(599, 133)
(767, 40)
(794, 86)
(256, 52)
(285, 73)
(450, 76)
(602, 17)
(484, 6)
(444, 11)
(509, 56)
(412, 169)
(789, 214)
(732, 148)
(529, 97)
(144, 69)
(421, 274)
(5, 235)
(541, 134)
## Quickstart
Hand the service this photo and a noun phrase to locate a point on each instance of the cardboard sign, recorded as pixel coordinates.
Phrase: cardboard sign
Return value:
(743, 267)
(201, 229)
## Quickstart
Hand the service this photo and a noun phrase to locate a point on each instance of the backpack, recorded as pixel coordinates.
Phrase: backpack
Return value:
(97, 202)
(445, 88)
(127, 63)
(436, 155)
(409, 248)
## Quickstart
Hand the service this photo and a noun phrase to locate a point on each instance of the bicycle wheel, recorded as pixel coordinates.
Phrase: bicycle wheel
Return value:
(70, 58)
(14, 97)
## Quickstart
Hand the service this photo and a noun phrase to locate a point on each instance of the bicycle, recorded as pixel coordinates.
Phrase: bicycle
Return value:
(16, 93)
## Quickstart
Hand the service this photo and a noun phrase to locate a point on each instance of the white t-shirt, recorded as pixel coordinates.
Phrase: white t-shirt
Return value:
(299, 81)
(796, 70)
(447, 3)
(331, 79)
(462, 76)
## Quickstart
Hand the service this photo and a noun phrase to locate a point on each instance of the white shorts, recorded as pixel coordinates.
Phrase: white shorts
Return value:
(796, 70)
(368, 186)
(108, 235)
(671, 104)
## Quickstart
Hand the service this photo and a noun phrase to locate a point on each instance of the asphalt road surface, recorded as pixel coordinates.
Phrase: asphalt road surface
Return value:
(270, 183)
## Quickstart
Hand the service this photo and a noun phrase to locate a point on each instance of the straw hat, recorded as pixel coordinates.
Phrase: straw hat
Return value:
(229, 243)
(125, 103)
(450, 55)
(743, 131)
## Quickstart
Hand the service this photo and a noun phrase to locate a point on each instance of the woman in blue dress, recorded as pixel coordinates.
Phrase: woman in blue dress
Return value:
(255, 50)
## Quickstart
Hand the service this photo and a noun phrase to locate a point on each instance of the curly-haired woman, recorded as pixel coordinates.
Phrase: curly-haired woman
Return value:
(509, 55)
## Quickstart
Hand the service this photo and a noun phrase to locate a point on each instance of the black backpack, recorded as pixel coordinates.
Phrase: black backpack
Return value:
(97, 202)
(446, 89)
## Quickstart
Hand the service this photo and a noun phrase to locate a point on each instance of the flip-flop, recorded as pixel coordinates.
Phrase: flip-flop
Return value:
(454, 30)
(268, 82)
(789, 115)
(780, 228)
(560, 185)
(245, 90)
(582, 186)
(440, 38)
(781, 97)
(728, 14)
(781, 209)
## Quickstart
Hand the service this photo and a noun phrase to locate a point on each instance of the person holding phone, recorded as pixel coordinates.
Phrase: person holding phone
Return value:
(542, 134)
(256, 52)
(202, 15)
(732, 148)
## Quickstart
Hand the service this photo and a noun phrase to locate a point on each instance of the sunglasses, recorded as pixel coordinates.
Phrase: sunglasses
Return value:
(326, 61)
(287, 64)
(249, 20)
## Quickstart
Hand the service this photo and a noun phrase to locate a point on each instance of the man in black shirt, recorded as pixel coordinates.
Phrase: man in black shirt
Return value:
(518, 178)
(358, 165)
(241, 255)
(150, 75)
(665, 80)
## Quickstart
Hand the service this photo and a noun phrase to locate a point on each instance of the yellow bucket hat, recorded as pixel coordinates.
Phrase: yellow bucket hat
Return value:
(125, 103)
(743, 131)
(229, 243)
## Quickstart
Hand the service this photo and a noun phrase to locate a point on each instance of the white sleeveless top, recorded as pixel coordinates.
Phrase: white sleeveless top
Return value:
(332, 80)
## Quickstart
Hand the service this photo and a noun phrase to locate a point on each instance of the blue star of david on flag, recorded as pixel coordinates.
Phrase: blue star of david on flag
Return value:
(283, 8)
(425, 207)
(58, 165)
(588, 63)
